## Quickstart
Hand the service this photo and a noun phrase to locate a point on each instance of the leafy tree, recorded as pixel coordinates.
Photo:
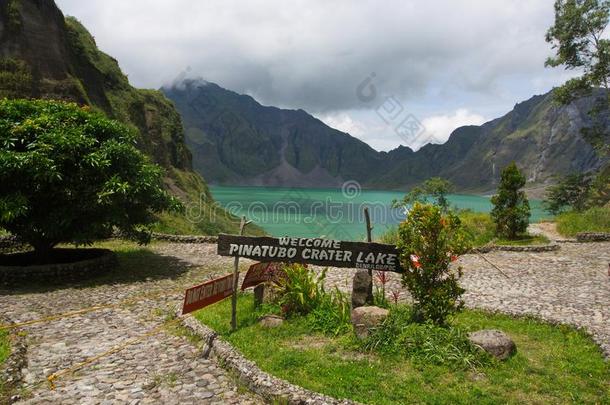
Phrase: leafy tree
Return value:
(571, 192)
(436, 188)
(577, 37)
(429, 241)
(511, 210)
(70, 175)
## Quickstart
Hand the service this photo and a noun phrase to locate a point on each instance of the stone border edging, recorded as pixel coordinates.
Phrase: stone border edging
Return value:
(267, 386)
(11, 371)
(11, 243)
(593, 237)
(508, 248)
(184, 238)
(57, 273)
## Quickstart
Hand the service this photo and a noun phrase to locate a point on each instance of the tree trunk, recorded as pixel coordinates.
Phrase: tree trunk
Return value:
(42, 251)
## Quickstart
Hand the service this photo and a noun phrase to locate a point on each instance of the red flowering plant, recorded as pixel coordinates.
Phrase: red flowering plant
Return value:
(429, 241)
(381, 279)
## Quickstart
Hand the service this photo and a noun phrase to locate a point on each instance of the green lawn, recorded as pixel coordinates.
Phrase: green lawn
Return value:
(552, 365)
(592, 220)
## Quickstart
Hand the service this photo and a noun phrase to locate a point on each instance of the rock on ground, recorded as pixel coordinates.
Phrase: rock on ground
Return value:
(366, 319)
(494, 342)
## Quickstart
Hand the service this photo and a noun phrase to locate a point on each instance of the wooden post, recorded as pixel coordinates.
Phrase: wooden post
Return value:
(242, 226)
(369, 238)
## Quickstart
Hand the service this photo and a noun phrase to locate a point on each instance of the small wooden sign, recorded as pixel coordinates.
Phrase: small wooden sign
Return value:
(322, 252)
(207, 293)
(262, 273)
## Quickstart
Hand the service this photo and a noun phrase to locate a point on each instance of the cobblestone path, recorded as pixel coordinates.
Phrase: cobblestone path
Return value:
(164, 368)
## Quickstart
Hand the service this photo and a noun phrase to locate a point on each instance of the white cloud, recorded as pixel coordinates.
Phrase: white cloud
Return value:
(312, 54)
(435, 57)
(439, 127)
(345, 122)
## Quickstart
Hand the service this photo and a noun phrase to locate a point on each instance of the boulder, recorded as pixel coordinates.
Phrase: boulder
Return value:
(366, 319)
(362, 292)
(271, 321)
(494, 342)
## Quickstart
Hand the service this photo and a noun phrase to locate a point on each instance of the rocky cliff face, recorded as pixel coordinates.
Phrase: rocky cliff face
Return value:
(44, 55)
(235, 140)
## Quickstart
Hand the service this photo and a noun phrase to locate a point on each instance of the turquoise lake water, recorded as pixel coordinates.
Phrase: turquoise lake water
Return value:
(332, 213)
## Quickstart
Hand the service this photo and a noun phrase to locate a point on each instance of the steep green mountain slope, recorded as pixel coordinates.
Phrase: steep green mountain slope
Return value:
(44, 55)
(235, 140)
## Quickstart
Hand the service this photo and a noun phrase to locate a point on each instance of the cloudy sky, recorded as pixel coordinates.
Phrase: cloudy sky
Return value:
(390, 73)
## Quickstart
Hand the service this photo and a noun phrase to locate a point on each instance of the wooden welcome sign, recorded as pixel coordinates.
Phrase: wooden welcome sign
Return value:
(322, 252)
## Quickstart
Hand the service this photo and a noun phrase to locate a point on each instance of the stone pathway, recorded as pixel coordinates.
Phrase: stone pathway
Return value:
(164, 368)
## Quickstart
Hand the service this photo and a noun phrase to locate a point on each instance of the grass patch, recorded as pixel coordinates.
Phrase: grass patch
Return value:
(481, 229)
(5, 351)
(5, 348)
(553, 364)
(592, 220)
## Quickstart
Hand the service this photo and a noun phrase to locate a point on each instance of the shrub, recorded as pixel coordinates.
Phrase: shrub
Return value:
(571, 192)
(436, 188)
(69, 175)
(511, 209)
(429, 242)
(301, 291)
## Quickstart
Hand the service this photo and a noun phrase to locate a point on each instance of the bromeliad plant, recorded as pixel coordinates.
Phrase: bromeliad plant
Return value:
(429, 241)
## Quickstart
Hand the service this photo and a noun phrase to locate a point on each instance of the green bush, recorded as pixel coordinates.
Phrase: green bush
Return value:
(571, 192)
(511, 209)
(69, 175)
(425, 343)
(429, 242)
(435, 188)
(592, 220)
(301, 291)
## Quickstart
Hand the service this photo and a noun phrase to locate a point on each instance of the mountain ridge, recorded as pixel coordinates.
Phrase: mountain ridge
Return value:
(298, 150)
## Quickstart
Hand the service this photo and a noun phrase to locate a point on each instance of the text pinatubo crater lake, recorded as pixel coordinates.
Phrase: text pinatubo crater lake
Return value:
(322, 252)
